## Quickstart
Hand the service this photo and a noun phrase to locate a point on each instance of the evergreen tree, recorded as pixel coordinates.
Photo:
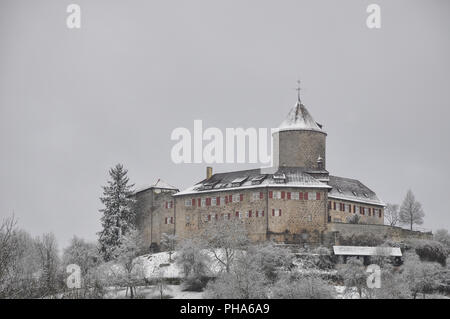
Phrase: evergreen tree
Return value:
(119, 214)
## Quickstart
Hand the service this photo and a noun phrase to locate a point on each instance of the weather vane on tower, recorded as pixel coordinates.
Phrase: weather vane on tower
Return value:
(298, 91)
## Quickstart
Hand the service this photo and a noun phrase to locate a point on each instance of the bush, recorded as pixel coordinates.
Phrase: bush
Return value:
(429, 250)
(325, 260)
(304, 287)
(360, 239)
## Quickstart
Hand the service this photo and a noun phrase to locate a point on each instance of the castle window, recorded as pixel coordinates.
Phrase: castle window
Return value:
(214, 201)
(277, 195)
(188, 218)
(310, 218)
(203, 202)
(255, 196)
(247, 214)
(236, 198)
(276, 212)
(354, 193)
(348, 208)
(222, 201)
(357, 209)
(188, 202)
(295, 196)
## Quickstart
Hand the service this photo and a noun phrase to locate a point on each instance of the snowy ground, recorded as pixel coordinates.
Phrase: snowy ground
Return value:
(150, 292)
(157, 265)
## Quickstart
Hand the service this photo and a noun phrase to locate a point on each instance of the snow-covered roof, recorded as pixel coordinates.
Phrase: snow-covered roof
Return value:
(159, 184)
(295, 177)
(300, 119)
(352, 190)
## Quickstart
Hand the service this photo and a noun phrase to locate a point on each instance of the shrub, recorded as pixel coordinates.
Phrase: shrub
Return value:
(304, 287)
(429, 250)
(360, 239)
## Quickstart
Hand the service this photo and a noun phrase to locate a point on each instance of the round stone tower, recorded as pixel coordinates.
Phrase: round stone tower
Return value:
(300, 141)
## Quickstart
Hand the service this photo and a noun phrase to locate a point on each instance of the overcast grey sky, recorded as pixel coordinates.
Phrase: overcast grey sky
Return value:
(75, 102)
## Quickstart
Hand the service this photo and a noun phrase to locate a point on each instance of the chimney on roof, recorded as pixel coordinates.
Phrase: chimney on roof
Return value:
(209, 172)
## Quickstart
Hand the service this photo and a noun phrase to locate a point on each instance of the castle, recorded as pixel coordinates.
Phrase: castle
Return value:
(297, 201)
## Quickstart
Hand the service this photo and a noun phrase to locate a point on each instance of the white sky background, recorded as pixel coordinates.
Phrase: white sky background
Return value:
(75, 102)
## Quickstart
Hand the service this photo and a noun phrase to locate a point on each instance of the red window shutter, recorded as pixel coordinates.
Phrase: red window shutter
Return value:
(282, 195)
(171, 204)
(217, 201)
(230, 198)
(209, 217)
(241, 197)
(249, 213)
(229, 215)
(237, 214)
(257, 213)
(317, 196)
(334, 205)
(165, 204)
(208, 201)
(171, 220)
(270, 194)
(193, 202)
(165, 220)
(226, 199)
(261, 195)
(306, 196)
(300, 195)
(288, 195)
(262, 214)
(273, 212)
(279, 212)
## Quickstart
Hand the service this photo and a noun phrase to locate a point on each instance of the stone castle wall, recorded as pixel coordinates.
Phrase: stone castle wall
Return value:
(300, 148)
(391, 232)
(155, 215)
(299, 220)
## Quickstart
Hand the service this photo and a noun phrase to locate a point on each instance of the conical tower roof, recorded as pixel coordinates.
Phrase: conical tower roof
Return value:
(300, 119)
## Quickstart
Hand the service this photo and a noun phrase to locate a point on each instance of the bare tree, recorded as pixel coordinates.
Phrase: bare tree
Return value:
(193, 260)
(224, 238)
(7, 247)
(130, 248)
(168, 243)
(47, 250)
(411, 211)
(392, 214)
(354, 275)
(442, 236)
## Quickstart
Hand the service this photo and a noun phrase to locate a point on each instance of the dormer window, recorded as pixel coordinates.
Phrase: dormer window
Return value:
(238, 181)
(258, 179)
(279, 178)
(354, 193)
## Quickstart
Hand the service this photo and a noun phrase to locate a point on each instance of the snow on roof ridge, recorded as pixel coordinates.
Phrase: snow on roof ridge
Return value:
(299, 118)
